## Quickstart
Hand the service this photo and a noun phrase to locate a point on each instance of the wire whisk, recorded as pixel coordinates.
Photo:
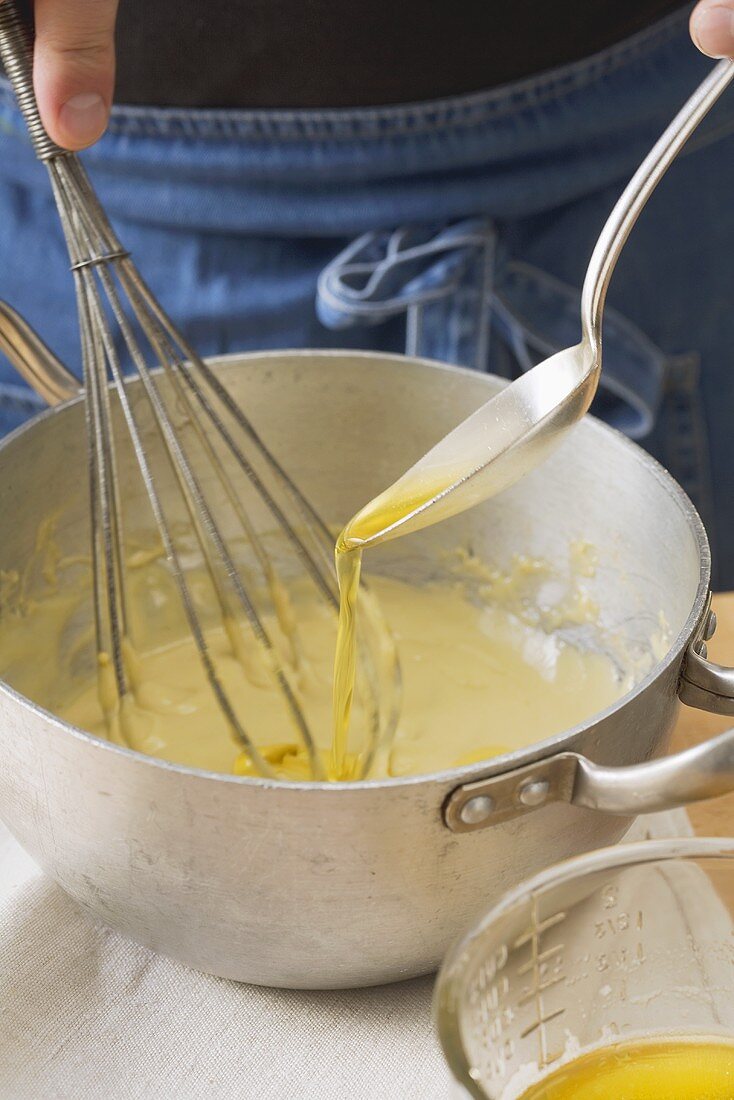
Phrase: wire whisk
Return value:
(205, 440)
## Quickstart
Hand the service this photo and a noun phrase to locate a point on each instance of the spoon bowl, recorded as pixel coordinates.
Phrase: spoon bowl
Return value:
(519, 427)
(489, 451)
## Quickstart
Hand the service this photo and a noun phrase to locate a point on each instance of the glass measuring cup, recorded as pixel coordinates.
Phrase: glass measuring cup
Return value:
(628, 943)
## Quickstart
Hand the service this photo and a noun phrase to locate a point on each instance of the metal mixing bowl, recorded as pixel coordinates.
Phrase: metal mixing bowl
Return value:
(351, 884)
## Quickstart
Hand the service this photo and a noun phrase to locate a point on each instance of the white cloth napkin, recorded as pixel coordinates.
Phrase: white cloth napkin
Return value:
(87, 1015)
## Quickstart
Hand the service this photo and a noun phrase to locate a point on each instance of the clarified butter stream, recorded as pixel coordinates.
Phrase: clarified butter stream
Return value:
(385, 511)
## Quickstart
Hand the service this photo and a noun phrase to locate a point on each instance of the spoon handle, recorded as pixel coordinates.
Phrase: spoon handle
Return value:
(637, 192)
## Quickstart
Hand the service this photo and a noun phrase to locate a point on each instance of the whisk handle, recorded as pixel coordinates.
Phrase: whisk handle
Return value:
(16, 53)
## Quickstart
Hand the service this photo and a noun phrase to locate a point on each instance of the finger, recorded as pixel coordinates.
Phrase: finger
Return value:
(74, 68)
(712, 27)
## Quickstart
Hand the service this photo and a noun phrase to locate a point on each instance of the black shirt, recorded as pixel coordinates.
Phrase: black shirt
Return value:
(350, 53)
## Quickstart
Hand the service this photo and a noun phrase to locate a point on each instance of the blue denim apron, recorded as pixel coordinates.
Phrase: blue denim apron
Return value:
(458, 229)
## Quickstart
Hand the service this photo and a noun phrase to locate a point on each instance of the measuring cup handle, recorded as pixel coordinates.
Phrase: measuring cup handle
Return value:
(33, 360)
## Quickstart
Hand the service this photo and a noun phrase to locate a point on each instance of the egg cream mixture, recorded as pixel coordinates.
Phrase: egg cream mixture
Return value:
(669, 1069)
(480, 677)
(585, 679)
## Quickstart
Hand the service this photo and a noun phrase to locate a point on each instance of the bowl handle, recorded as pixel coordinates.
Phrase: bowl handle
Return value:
(704, 771)
(34, 360)
(703, 683)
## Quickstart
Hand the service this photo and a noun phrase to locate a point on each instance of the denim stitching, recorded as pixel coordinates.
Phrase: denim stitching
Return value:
(378, 123)
(383, 122)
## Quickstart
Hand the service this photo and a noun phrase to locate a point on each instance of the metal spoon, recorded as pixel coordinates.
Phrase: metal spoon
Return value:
(519, 427)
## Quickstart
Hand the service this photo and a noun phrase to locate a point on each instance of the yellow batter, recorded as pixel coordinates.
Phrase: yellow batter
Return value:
(654, 1070)
(477, 680)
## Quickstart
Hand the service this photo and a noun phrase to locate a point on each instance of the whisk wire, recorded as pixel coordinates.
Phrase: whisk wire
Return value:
(104, 500)
(121, 323)
(91, 249)
(175, 565)
(101, 252)
(186, 363)
(210, 539)
(189, 362)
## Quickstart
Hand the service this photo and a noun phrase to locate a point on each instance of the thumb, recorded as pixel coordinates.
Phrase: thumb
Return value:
(74, 68)
(712, 27)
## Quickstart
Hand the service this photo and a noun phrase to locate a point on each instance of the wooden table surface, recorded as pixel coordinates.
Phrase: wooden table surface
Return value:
(715, 818)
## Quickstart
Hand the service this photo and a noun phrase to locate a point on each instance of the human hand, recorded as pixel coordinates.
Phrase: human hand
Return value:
(74, 68)
(712, 27)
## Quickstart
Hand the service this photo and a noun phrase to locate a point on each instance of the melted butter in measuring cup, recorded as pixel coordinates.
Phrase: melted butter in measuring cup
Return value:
(649, 1069)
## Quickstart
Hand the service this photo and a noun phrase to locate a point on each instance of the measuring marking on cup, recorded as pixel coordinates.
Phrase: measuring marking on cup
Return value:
(625, 943)
(541, 979)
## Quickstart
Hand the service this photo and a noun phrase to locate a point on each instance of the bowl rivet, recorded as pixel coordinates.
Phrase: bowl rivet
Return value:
(534, 792)
(476, 809)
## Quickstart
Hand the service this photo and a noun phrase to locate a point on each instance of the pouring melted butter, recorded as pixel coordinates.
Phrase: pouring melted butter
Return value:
(382, 514)
(696, 1069)
(348, 572)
